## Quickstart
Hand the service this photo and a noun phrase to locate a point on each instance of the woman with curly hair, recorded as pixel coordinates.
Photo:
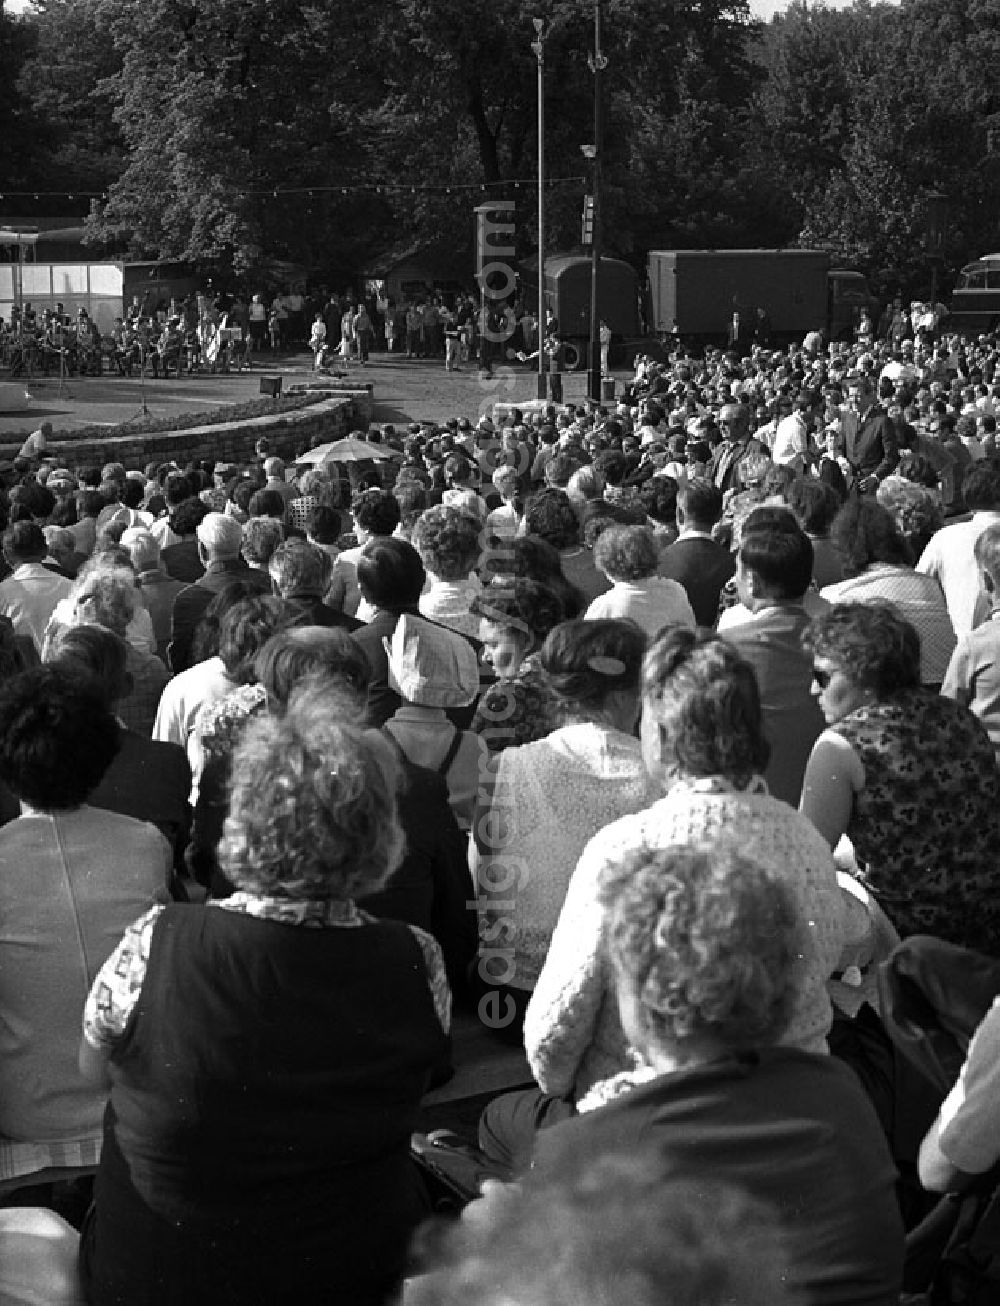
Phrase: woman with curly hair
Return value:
(703, 942)
(266, 1054)
(515, 616)
(449, 542)
(550, 516)
(909, 776)
(628, 557)
(915, 508)
(704, 746)
(878, 568)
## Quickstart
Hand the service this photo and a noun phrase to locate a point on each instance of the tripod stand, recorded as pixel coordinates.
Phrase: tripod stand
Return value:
(143, 411)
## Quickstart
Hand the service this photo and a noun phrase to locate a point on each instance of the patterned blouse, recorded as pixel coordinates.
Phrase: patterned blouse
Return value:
(115, 992)
(219, 725)
(518, 709)
(926, 825)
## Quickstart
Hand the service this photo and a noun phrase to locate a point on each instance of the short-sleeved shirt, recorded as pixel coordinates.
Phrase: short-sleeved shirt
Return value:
(969, 1120)
(973, 676)
(926, 824)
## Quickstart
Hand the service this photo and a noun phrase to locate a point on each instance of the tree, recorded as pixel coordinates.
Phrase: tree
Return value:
(240, 121)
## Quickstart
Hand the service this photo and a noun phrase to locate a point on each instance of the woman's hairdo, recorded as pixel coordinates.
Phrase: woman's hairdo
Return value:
(616, 1220)
(585, 661)
(313, 808)
(864, 532)
(705, 699)
(245, 628)
(626, 553)
(375, 511)
(326, 653)
(57, 738)
(94, 655)
(529, 606)
(870, 643)
(549, 514)
(448, 541)
(706, 940)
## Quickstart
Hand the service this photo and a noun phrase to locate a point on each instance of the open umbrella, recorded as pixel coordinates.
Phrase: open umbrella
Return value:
(348, 450)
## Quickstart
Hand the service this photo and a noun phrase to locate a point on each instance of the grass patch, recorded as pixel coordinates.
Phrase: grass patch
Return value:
(216, 416)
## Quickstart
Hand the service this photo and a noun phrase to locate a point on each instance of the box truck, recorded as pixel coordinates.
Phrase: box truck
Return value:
(567, 296)
(694, 292)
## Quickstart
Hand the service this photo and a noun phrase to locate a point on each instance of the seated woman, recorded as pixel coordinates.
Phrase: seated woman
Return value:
(109, 596)
(449, 544)
(704, 746)
(117, 561)
(549, 514)
(73, 877)
(628, 557)
(244, 630)
(909, 776)
(532, 558)
(704, 943)
(615, 1220)
(878, 569)
(515, 615)
(550, 797)
(266, 1054)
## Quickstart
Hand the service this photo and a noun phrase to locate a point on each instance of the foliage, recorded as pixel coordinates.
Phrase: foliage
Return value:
(323, 132)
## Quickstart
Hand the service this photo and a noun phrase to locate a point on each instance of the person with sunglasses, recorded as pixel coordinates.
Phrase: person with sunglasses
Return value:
(910, 778)
(736, 447)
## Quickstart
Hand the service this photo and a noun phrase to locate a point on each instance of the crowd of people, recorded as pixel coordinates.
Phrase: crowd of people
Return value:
(642, 735)
(211, 333)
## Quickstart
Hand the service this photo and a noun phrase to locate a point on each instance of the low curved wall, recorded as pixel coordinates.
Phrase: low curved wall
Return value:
(288, 435)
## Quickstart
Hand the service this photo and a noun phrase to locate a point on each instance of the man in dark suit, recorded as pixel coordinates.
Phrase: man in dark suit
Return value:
(219, 539)
(870, 442)
(773, 572)
(697, 561)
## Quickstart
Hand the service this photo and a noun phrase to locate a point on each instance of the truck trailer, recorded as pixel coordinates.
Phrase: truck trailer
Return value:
(567, 297)
(695, 292)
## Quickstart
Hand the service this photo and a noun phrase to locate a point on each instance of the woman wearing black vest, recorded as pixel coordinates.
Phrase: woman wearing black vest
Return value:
(266, 1054)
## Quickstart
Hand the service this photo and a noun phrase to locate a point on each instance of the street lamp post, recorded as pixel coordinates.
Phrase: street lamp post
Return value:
(538, 46)
(598, 62)
(936, 205)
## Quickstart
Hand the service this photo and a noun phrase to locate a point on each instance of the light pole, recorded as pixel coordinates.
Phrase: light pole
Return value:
(936, 207)
(598, 62)
(538, 45)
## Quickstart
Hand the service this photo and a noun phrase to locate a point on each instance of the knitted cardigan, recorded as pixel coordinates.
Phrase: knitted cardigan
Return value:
(572, 1034)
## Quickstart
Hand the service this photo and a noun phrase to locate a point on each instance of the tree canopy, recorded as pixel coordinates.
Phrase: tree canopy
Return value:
(326, 132)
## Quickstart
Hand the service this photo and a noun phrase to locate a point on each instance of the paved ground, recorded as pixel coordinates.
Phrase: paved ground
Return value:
(403, 391)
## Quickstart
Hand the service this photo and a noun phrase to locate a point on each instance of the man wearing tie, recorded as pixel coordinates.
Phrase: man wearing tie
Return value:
(869, 436)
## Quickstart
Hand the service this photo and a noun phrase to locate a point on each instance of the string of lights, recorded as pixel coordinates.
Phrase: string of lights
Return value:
(374, 188)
